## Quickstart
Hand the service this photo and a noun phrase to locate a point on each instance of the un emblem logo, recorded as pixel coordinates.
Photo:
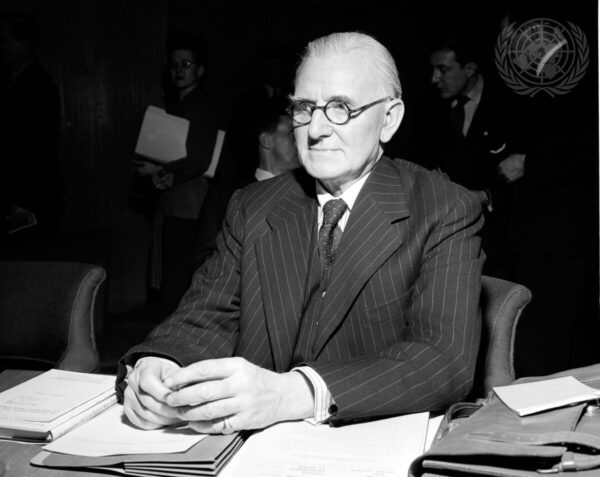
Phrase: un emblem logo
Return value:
(542, 55)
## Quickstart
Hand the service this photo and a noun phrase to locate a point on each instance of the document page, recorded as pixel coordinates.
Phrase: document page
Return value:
(529, 398)
(110, 433)
(51, 394)
(383, 448)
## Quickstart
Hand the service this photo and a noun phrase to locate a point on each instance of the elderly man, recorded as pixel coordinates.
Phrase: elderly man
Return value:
(344, 290)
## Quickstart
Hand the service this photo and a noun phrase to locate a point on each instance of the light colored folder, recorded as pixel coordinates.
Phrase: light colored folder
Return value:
(162, 136)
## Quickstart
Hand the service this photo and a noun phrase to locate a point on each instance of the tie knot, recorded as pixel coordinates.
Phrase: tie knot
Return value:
(461, 100)
(333, 211)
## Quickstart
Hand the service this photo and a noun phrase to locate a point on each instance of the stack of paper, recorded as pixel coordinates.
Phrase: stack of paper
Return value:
(110, 442)
(53, 403)
(162, 136)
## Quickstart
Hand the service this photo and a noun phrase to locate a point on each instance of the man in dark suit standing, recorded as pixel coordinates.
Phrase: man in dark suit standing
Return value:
(462, 131)
(344, 290)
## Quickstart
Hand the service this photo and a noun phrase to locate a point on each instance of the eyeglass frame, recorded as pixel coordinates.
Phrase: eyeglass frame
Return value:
(184, 64)
(352, 113)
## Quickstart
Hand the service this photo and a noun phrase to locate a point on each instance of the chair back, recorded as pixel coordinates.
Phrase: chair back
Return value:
(502, 303)
(47, 315)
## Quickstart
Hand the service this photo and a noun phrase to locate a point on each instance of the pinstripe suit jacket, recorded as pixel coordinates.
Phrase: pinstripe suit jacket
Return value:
(399, 330)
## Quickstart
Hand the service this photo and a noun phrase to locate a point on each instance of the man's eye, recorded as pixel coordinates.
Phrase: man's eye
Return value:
(304, 106)
(337, 106)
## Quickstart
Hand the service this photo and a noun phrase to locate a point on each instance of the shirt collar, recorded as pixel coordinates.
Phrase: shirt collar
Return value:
(349, 196)
(262, 174)
(475, 94)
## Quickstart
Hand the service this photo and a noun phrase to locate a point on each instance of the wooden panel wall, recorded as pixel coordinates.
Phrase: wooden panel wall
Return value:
(106, 58)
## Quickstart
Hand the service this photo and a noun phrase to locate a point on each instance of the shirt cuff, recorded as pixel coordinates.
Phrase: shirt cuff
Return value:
(323, 402)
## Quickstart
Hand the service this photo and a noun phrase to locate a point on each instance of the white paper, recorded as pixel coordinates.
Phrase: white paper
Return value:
(383, 448)
(110, 433)
(51, 394)
(216, 155)
(162, 136)
(528, 398)
(432, 428)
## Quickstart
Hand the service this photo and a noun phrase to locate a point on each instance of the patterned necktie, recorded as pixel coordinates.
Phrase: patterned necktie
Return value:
(457, 115)
(330, 233)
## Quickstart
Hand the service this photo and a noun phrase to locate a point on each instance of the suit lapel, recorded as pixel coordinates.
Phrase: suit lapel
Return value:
(282, 256)
(371, 236)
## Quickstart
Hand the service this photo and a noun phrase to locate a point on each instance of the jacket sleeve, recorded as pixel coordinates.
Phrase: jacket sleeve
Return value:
(205, 325)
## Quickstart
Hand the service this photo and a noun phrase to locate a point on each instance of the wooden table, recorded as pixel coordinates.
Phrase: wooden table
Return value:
(16, 456)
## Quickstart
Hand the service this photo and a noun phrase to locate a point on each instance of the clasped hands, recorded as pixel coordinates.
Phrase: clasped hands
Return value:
(214, 396)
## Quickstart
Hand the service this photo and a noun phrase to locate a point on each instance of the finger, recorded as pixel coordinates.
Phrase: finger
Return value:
(219, 426)
(207, 370)
(145, 385)
(164, 412)
(150, 383)
(140, 415)
(137, 421)
(200, 393)
(210, 411)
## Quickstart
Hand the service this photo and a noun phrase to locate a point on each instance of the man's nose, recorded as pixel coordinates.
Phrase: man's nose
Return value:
(319, 125)
(435, 76)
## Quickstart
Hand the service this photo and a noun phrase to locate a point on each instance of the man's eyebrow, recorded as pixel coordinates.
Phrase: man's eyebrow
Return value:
(296, 99)
(341, 98)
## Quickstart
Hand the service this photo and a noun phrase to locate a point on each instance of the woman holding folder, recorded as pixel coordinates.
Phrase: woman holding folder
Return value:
(181, 183)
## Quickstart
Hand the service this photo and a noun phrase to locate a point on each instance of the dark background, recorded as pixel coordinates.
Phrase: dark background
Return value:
(107, 56)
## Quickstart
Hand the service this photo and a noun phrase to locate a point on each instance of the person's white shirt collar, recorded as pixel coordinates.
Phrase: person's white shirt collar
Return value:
(475, 94)
(262, 174)
(471, 106)
(349, 196)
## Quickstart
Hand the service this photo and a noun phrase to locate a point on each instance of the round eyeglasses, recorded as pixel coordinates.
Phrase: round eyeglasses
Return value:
(336, 111)
(183, 64)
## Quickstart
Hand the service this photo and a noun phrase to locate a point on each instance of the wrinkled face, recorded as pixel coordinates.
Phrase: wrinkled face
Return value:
(449, 77)
(185, 71)
(339, 155)
(284, 146)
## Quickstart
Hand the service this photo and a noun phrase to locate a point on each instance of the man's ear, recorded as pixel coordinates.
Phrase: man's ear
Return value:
(470, 68)
(391, 121)
(265, 140)
(200, 71)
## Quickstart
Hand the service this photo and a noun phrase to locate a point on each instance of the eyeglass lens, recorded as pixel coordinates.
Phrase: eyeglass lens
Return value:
(336, 111)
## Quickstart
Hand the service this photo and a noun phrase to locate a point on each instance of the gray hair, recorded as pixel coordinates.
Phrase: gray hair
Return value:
(341, 43)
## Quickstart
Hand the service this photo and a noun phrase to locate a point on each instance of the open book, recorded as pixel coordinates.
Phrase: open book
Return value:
(51, 404)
